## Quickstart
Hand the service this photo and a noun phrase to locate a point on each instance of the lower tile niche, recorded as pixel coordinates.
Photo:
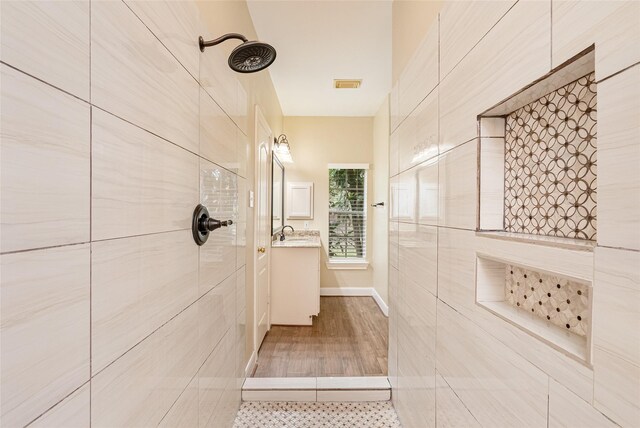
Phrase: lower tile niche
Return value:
(560, 301)
(551, 307)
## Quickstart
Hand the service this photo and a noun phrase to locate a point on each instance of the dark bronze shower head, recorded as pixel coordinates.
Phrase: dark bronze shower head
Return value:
(248, 57)
(251, 56)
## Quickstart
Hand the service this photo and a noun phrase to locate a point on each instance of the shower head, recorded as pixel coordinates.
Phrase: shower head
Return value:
(248, 57)
(251, 56)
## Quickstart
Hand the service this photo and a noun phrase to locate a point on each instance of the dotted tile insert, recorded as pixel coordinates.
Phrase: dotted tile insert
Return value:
(560, 301)
(271, 414)
(550, 164)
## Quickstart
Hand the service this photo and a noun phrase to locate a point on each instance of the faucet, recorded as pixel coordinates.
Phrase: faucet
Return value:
(282, 232)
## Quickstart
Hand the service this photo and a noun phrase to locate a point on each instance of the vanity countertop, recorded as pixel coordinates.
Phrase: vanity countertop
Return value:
(297, 239)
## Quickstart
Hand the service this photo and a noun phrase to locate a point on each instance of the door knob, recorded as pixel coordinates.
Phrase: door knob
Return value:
(202, 224)
(262, 249)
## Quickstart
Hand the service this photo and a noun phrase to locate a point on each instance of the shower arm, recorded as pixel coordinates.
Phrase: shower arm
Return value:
(219, 40)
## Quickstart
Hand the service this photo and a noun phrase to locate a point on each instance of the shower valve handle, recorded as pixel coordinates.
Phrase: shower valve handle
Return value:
(202, 224)
(212, 224)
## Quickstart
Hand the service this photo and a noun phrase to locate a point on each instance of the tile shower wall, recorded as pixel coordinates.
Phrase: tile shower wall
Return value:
(452, 363)
(112, 132)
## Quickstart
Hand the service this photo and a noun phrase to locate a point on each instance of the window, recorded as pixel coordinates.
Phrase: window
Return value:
(347, 213)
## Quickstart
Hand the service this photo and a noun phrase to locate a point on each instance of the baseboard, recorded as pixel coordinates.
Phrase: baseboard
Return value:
(383, 306)
(346, 291)
(248, 371)
(357, 291)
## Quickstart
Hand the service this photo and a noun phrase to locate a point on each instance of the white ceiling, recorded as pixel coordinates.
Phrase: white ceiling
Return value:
(318, 41)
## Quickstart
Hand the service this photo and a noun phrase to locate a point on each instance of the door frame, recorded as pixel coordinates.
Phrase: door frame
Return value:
(260, 120)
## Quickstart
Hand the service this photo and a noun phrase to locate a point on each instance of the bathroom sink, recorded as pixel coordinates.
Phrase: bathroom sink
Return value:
(301, 240)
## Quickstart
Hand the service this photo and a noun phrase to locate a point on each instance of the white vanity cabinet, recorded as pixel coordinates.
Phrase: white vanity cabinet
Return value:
(295, 281)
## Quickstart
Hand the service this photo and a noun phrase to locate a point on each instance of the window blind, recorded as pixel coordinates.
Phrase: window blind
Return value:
(347, 213)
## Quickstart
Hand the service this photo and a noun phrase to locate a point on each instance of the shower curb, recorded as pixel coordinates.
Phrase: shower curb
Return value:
(350, 389)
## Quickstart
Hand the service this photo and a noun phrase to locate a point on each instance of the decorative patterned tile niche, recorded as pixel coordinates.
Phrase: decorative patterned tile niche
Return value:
(538, 157)
(550, 164)
(554, 308)
(561, 301)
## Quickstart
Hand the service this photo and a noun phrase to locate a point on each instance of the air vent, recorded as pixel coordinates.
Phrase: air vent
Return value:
(347, 84)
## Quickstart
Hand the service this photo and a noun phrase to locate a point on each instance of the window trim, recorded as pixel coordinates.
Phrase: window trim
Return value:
(348, 166)
(346, 263)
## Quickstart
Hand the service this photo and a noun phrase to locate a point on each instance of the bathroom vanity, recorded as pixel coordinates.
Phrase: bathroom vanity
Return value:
(295, 278)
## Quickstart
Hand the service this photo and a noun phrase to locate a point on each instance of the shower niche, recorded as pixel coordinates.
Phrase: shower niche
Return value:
(538, 186)
(538, 157)
(553, 307)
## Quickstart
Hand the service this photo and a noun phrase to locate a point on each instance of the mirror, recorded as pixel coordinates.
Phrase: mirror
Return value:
(277, 195)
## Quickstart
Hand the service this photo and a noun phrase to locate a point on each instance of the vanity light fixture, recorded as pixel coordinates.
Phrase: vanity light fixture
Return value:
(281, 149)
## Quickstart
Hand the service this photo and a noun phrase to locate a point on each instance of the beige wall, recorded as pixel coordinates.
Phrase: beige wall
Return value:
(470, 364)
(410, 22)
(316, 142)
(232, 17)
(380, 216)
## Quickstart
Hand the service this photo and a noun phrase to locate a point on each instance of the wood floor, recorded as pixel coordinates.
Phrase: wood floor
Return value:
(348, 338)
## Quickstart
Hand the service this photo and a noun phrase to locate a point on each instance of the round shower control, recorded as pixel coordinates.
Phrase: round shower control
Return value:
(202, 224)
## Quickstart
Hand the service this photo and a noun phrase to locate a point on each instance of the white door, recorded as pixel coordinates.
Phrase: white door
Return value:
(263, 228)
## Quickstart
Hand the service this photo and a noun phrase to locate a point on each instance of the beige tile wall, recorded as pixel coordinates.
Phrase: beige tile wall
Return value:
(36, 211)
(618, 160)
(49, 41)
(112, 133)
(514, 53)
(133, 76)
(45, 329)
(451, 411)
(489, 372)
(616, 335)
(416, 353)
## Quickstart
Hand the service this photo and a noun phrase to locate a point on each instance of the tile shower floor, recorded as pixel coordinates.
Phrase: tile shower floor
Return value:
(273, 414)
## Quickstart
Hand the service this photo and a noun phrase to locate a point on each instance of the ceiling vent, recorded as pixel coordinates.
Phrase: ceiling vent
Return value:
(347, 83)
